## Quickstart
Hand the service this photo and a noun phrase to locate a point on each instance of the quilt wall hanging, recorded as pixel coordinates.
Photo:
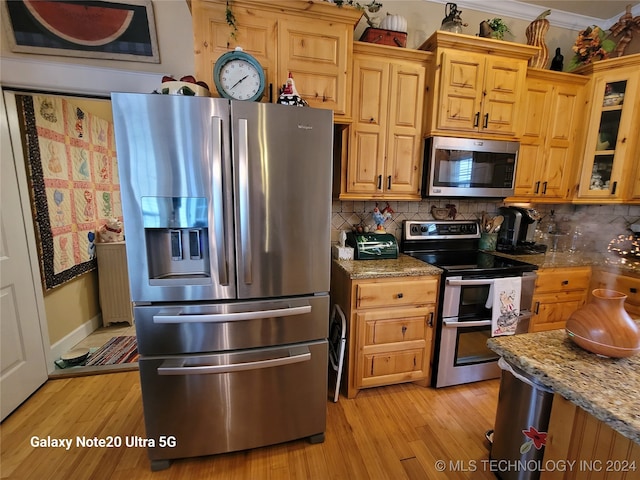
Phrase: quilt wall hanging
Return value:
(74, 183)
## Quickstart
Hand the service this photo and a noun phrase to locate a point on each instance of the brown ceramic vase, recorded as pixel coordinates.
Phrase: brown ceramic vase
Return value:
(604, 327)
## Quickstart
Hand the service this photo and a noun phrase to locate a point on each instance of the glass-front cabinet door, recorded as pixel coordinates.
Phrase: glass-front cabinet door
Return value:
(608, 166)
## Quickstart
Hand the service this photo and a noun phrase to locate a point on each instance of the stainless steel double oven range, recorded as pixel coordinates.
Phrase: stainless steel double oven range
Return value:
(464, 321)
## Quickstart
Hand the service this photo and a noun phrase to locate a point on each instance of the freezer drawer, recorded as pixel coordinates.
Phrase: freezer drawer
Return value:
(206, 328)
(208, 404)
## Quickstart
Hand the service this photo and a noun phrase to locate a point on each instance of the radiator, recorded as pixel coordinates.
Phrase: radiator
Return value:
(113, 283)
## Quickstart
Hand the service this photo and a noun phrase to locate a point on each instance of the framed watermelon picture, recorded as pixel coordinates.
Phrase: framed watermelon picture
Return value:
(115, 30)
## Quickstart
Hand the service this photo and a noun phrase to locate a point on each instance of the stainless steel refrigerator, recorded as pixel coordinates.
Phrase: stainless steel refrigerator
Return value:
(227, 221)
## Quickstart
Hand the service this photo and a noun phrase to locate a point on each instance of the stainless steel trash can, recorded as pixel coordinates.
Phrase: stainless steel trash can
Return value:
(522, 420)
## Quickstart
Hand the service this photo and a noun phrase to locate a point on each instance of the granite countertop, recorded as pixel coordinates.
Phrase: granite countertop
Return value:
(403, 266)
(607, 388)
(607, 261)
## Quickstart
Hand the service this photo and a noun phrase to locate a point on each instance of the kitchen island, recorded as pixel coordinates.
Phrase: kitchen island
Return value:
(596, 406)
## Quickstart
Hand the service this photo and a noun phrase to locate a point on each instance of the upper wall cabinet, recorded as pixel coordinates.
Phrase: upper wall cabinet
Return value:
(552, 122)
(610, 162)
(385, 139)
(311, 40)
(476, 86)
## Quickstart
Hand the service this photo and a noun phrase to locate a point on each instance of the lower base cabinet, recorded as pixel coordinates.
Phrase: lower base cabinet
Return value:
(559, 292)
(628, 285)
(390, 326)
(593, 449)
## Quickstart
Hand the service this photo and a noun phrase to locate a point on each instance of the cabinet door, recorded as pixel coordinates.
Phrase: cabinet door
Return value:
(404, 132)
(610, 137)
(551, 310)
(536, 105)
(316, 53)
(368, 132)
(461, 81)
(256, 35)
(503, 83)
(565, 115)
(394, 345)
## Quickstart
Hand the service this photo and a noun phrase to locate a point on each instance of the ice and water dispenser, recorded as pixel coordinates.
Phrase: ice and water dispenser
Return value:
(177, 239)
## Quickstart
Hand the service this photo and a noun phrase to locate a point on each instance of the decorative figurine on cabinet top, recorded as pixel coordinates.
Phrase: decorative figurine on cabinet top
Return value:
(290, 96)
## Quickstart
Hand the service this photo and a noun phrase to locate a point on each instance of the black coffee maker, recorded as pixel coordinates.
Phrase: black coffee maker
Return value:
(517, 232)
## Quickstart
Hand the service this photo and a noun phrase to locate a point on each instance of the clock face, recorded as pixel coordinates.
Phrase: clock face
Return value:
(240, 78)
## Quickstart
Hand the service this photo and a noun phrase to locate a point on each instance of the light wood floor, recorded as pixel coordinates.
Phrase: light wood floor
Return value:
(396, 432)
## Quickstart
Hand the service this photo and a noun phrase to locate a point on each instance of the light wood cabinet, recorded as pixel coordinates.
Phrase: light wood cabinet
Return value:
(311, 40)
(385, 139)
(626, 284)
(593, 448)
(390, 328)
(609, 168)
(558, 293)
(551, 126)
(478, 84)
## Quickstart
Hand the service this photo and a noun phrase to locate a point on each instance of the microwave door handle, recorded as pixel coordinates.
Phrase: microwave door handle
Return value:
(218, 201)
(294, 355)
(464, 283)
(244, 214)
(174, 315)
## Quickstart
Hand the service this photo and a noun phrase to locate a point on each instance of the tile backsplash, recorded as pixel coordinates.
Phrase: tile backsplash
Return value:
(599, 224)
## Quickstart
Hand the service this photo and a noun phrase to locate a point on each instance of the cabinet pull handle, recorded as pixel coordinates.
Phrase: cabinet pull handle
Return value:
(537, 189)
(389, 182)
(379, 182)
(404, 330)
(613, 189)
(544, 188)
(565, 282)
(430, 321)
(400, 295)
(476, 119)
(633, 290)
(537, 309)
(485, 124)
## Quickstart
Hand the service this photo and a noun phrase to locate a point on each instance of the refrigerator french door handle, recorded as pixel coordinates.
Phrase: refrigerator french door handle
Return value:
(218, 201)
(174, 316)
(243, 177)
(171, 367)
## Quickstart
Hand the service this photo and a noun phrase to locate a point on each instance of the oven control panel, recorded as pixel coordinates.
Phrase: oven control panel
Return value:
(440, 229)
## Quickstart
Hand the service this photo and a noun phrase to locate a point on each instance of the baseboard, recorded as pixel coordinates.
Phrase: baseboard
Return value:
(73, 338)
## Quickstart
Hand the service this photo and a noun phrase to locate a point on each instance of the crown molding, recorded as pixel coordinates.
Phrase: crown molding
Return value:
(526, 11)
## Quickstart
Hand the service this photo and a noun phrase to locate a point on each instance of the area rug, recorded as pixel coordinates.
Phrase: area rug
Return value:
(116, 351)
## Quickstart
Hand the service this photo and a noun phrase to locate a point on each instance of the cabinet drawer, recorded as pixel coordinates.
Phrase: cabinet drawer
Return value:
(390, 363)
(396, 326)
(563, 279)
(388, 294)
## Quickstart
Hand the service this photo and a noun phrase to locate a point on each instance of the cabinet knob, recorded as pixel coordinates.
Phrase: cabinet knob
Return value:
(404, 330)
(633, 290)
(400, 295)
(565, 282)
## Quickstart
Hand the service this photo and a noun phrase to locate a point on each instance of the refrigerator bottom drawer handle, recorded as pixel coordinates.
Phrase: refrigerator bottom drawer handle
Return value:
(174, 316)
(169, 367)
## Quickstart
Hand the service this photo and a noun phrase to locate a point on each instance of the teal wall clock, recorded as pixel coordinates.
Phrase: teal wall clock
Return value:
(239, 76)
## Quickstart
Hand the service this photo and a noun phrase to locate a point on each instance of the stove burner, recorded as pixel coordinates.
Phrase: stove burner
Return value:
(453, 247)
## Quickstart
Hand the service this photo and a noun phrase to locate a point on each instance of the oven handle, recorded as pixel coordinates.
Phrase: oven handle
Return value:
(456, 324)
(477, 281)
(174, 316)
(171, 367)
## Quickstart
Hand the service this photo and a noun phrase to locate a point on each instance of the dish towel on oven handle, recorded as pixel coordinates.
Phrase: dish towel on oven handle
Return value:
(504, 301)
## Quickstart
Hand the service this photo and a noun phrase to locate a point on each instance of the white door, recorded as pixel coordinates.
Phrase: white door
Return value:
(23, 364)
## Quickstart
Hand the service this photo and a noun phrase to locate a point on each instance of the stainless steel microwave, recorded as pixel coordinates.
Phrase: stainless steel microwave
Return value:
(469, 167)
